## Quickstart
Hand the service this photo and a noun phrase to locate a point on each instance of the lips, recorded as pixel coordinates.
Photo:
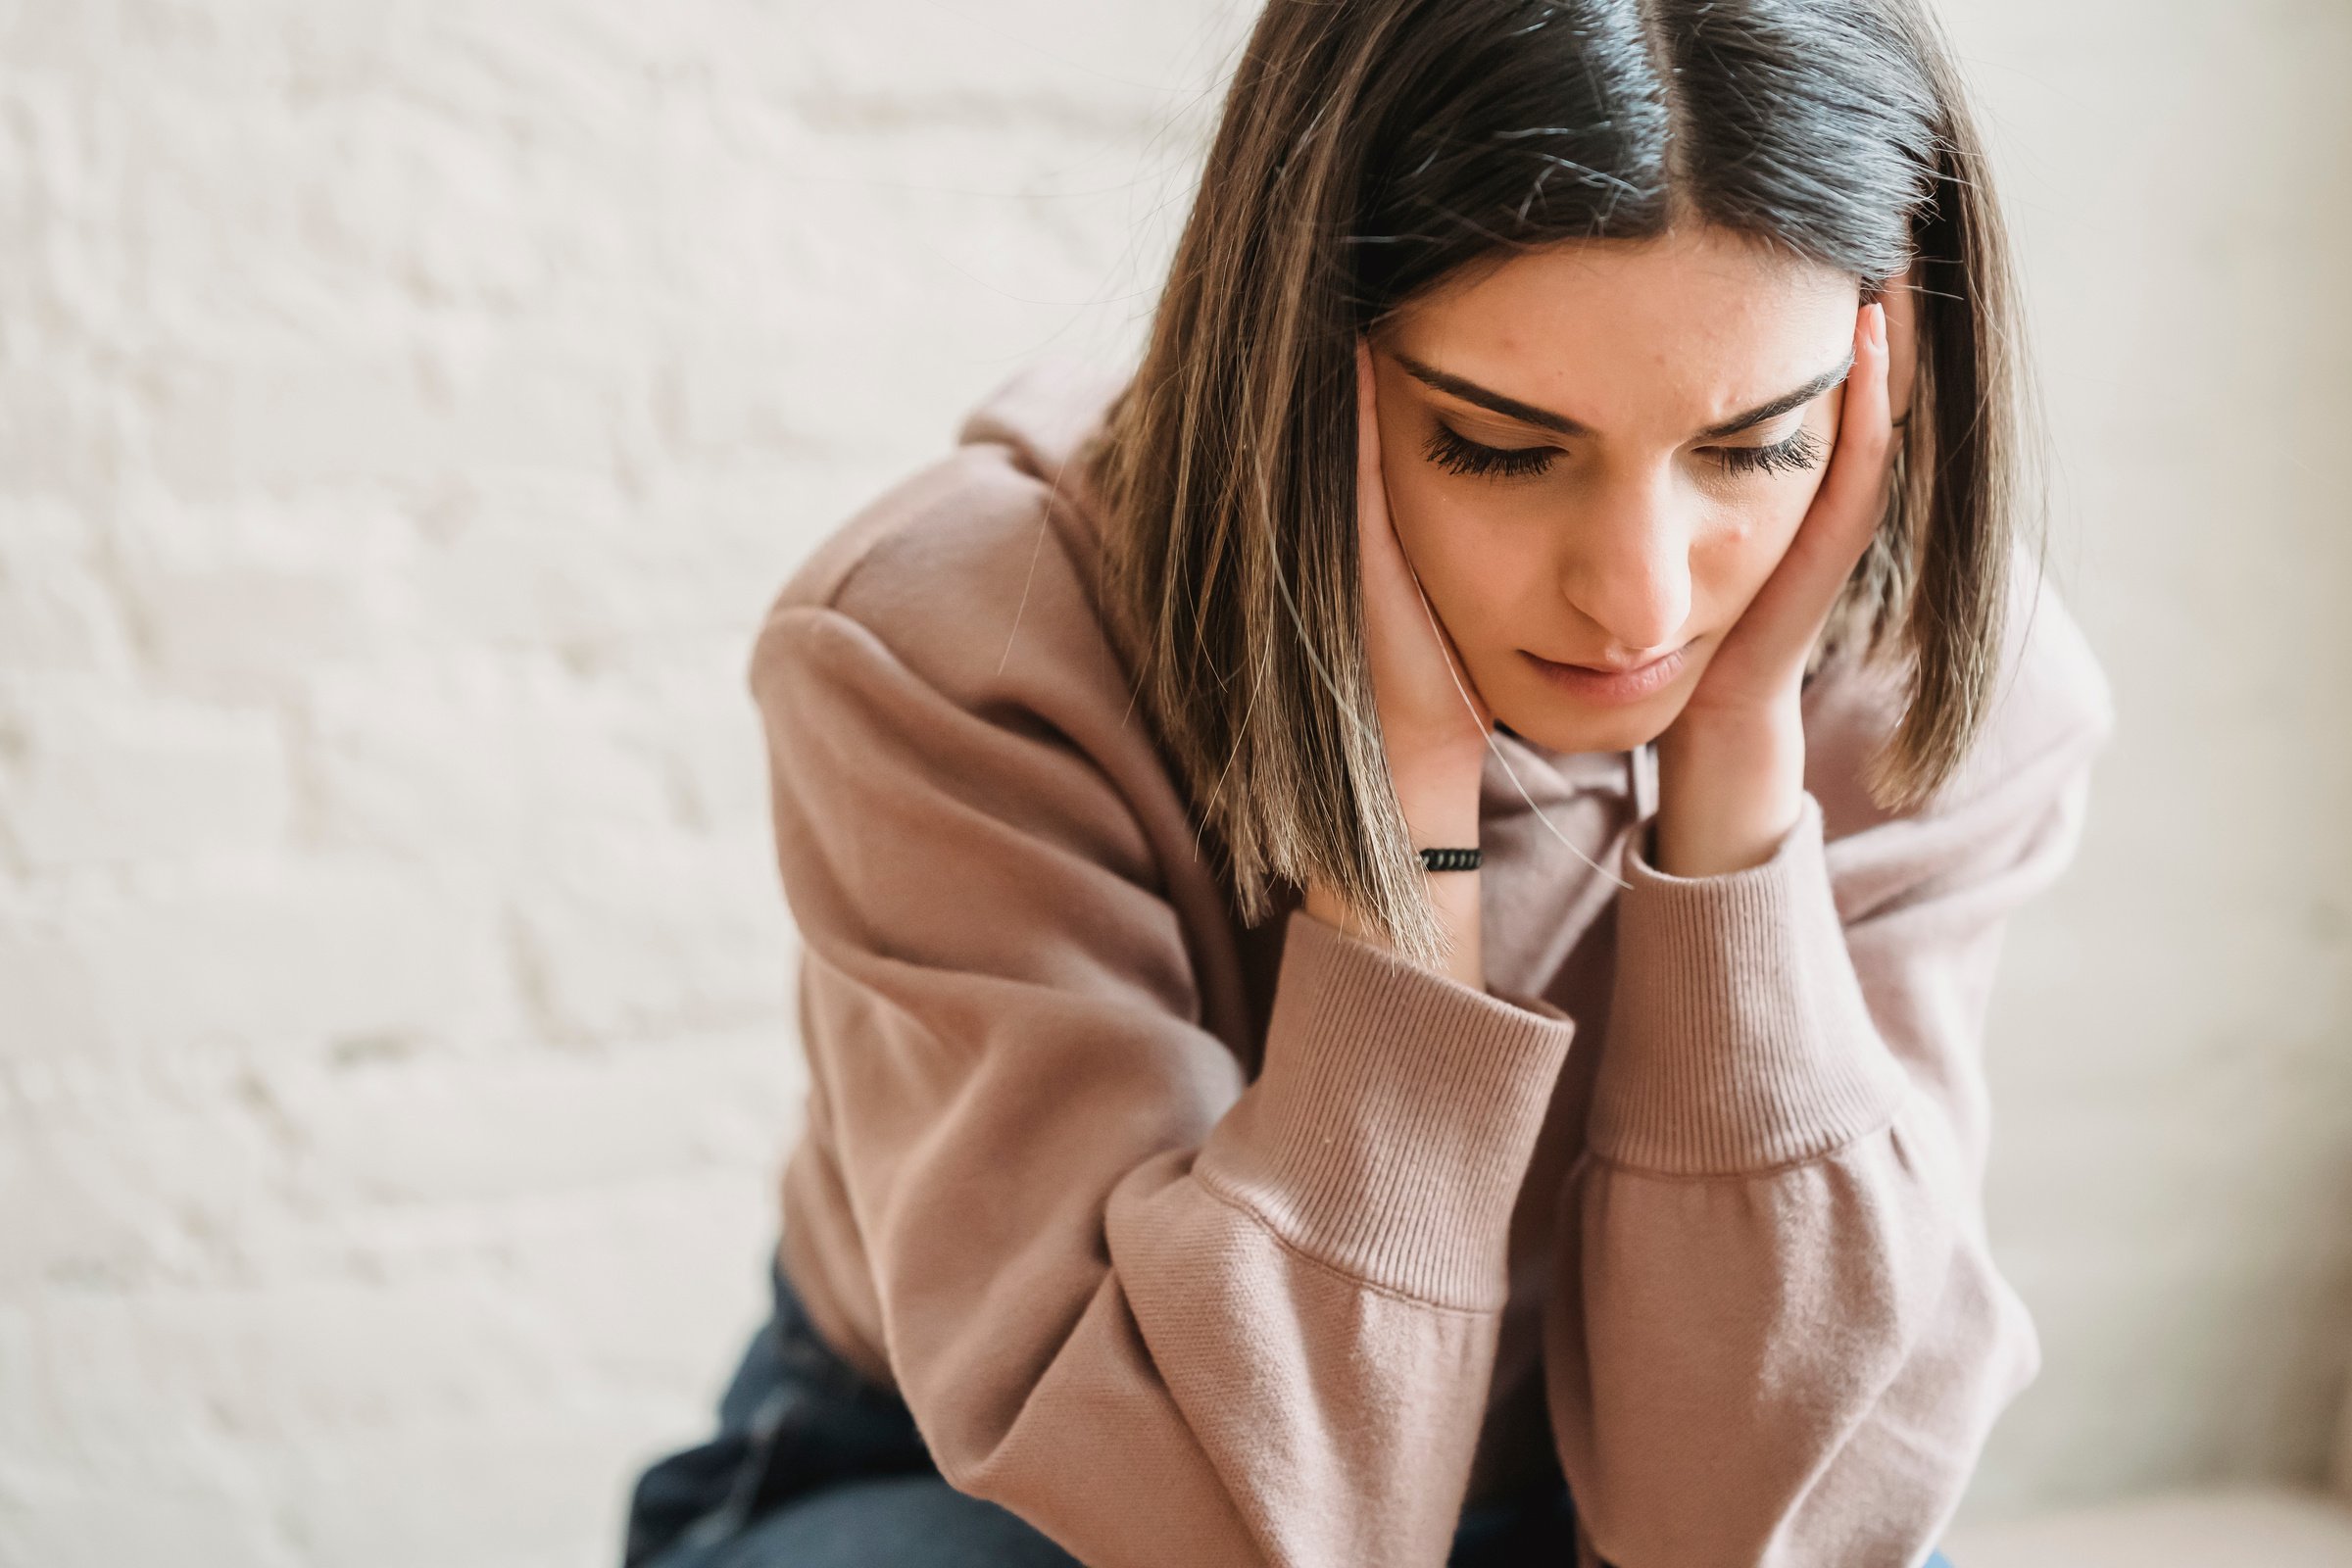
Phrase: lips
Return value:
(1589, 684)
(1607, 670)
(1610, 669)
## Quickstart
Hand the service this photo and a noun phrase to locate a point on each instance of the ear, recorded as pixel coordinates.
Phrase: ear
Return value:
(1902, 342)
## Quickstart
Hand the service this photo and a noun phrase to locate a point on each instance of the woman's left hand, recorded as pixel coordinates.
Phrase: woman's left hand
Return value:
(1730, 768)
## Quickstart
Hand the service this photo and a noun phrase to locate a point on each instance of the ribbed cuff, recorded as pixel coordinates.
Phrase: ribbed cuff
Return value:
(1392, 1125)
(1738, 1039)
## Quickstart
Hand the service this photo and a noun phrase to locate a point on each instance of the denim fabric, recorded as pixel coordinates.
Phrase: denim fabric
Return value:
(814, 1467)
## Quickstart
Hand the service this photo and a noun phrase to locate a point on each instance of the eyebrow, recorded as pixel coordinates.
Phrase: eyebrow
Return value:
(1511, 407)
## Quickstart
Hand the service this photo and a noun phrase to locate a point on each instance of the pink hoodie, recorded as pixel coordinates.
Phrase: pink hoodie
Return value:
(1199, 1244)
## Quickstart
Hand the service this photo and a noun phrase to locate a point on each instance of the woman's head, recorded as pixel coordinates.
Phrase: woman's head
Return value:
(1596, 236)
(1596, 453)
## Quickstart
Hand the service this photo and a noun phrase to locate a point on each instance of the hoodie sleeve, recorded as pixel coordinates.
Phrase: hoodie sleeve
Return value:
(1777, 1337)
(1164, 1314)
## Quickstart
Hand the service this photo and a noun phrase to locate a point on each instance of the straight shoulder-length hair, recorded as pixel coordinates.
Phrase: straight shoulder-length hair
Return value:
(1370, 148)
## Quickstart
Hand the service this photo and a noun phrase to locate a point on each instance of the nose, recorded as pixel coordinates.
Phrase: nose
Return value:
(1627, 570)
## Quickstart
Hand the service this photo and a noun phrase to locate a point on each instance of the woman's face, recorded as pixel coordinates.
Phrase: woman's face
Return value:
(1596, 453)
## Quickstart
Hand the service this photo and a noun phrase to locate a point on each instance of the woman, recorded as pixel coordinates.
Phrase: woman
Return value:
(1399, 907)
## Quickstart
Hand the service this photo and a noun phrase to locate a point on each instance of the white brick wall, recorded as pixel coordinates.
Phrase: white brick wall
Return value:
(406, 410)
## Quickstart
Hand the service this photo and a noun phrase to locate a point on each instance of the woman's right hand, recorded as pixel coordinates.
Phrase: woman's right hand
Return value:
(1432, 718)
(1433, 722)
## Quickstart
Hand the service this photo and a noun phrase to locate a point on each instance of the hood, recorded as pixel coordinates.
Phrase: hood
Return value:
(1045, 413)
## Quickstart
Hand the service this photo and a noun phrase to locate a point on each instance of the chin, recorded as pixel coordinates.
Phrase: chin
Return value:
(1596, 729)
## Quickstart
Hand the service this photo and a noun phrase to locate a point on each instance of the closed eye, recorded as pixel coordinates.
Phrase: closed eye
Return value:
(1802, 450)
(1456, 454)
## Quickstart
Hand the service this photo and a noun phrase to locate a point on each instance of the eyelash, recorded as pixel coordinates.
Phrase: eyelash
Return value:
(1456, 453)
(1801, 451)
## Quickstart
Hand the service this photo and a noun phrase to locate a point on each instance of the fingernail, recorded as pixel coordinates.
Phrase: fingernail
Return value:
(1878, 324)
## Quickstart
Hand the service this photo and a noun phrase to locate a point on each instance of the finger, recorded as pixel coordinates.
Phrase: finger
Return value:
(1846, 508)
(1371, 497)
(1382, 562)
(1388, 582)
(1901, 299)
(1785, 618)
(1395, 603)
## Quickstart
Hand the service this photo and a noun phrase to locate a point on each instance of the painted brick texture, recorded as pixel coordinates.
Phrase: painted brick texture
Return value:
(406, 411)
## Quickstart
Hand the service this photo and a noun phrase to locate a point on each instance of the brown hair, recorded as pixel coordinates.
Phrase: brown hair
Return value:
(1368, 150)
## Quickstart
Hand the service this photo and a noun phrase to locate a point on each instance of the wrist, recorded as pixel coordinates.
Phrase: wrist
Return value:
(1453, 896)
(1728, 794)
(1775, 731)
(1439, 803)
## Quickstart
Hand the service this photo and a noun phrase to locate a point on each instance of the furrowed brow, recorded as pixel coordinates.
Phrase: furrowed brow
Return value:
(1785, 402)
(1511, 407)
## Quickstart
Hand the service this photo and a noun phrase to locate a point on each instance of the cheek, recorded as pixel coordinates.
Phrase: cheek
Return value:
(1747, 541)
(1472, 552)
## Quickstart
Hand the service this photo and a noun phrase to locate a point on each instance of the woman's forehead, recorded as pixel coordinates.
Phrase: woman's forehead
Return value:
(1689, 328)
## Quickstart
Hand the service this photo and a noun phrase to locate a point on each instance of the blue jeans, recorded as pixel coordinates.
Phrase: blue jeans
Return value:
(814, 1466)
